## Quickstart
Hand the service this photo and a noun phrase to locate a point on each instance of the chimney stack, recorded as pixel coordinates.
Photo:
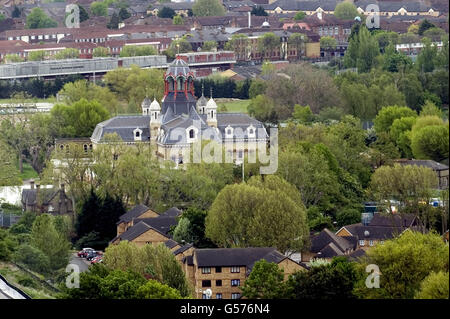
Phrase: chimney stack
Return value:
(32, 183)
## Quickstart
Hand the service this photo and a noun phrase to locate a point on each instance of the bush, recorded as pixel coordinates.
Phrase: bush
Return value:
(26, 281)
(33, 258)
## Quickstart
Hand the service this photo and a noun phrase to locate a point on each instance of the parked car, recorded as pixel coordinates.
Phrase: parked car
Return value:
(90, 255)
(97, 259)
(82, 253)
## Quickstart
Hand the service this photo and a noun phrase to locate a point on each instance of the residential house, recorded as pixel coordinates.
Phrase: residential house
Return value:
(393, 8)
(224, 270)
(381, 227)
(47, 200)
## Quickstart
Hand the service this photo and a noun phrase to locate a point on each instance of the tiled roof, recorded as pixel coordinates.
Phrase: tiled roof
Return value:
(170, 243)
(133, 232)
(161, 224)
(427, 163)
(182, 249)
(325, 237)
(135, 212)
(172, 212)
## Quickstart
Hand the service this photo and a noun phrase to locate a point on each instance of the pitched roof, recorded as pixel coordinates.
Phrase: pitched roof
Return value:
(172, 212)
(133, 232)
(426, 163)
(326, 237)
(162, 224)
(135, 212)
(171, 243)
(212, 257)
(329, 251)
(397, 220)
(182, 249)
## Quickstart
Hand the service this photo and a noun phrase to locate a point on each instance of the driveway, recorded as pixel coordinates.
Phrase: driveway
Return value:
(82, 263)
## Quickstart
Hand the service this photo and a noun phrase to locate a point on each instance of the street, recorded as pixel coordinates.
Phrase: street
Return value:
(82, 263)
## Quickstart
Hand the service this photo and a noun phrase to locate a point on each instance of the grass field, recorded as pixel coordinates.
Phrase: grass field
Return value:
(28, 172)
(233, 105)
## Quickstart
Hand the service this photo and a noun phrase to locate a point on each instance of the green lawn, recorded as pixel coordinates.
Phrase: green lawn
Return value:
(236, 106)
(28, 172)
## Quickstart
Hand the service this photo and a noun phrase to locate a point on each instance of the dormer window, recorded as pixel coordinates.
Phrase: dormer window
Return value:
(191, 133)
(137, 133)
(251, 131)
(229, 132)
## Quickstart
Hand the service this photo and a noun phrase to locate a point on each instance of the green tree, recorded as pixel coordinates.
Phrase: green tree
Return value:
(114, 21)
(155, 290)
(298, 41)
(259, 11)
(100, 52)
(83, 14)
(69, 53)
(209, 45)
(243, 215)
(264, 282)
(303, 114)
(37, 19)
(401, 133)
(327, 281)
(33, 258)
(12, 58)
(178, 20)
(434, 286)
(389, 114)
(205, 8)
(166, 12)
(9, 174)
(424, 26)
(348, 216)
(37, 55)
(328, 43)
(257, 87)
(267, 43)
(430, 142)
(137, 50)
(404, 262)
(263, 109)
(427, 57)
(80, 118)
(362, 51)
(182, 231)
(299, 16)
(124, 14)
(16, 12)
(46, 238)
(181, 46)
(99, 9)
(345, 10)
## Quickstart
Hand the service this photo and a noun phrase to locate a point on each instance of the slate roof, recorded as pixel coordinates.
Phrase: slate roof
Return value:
(326, 237)
(135, 212)
(46, 195)
(162, 224)
(212, 257)
(170, 243)
(123, 126)
(133, 232)
(182, 249)
(374, 232)
(404, 220)
(356, 254)
(172, 212)
(296, 5)
(394, 6)
(330, 251)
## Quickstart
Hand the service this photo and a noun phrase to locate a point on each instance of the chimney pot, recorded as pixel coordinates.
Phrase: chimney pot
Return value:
(32, 184)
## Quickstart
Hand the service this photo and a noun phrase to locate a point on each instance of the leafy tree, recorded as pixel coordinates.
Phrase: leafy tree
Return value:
(427, 56)
(83, 13)
(124, 14)
(80, 118)
(114, 21)
(267, 43)
(264, 282)
(348, 216)
(263, 109)
(12, 58)
(298, 41)
(243, 215)
(404, 263)
(2, 17)
(166, 12)
(434, 34)
(257, 87)
(37, 55)
(328, 281)
(182, 232)
(178, 20)
(155, 290)
(434, 286)
(362, 51)
(205, 8)
(99, 9)
(259, 11)
(180, 46)
(424, 26)
(53, 244)
(156, 262)
(100, 52)
(430, 109)
(430, 142)
(69, 53)
(37, 19)
(300, 15)
(401, 133)
(137, 50)
(303, 114)
(345, 10)
(328, 43)
(209, 45)
(409, 184)
(16, 12)
(389, 114)
(195, 233)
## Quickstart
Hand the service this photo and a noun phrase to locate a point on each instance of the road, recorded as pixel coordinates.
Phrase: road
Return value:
(82, 263)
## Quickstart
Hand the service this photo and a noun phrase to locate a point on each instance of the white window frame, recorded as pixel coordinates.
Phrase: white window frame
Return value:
(361, 242)
(234, 268)
(251, 135)
(137, 138)
(204, 270)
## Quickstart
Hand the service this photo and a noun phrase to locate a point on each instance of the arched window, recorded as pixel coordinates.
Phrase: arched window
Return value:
(85, 147)
(191, 133)
(180, 84)
(171, 84)
(138, 134)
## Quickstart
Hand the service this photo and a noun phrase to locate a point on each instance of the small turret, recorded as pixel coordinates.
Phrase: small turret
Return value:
(201, 103)
(211, 112)
(155, 118)
(146, 106)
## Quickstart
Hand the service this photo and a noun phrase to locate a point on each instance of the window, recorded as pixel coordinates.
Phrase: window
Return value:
(235, 269)
(235, 282)
(235, 296)
(361, 242)
(218, 283)
(218, 296)
(204, 296)
(115, 157)
(218, 269)
(206, 270)
(206, 283)
(137, 134)
(85, 147)
(370, 242)
(191, 134)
